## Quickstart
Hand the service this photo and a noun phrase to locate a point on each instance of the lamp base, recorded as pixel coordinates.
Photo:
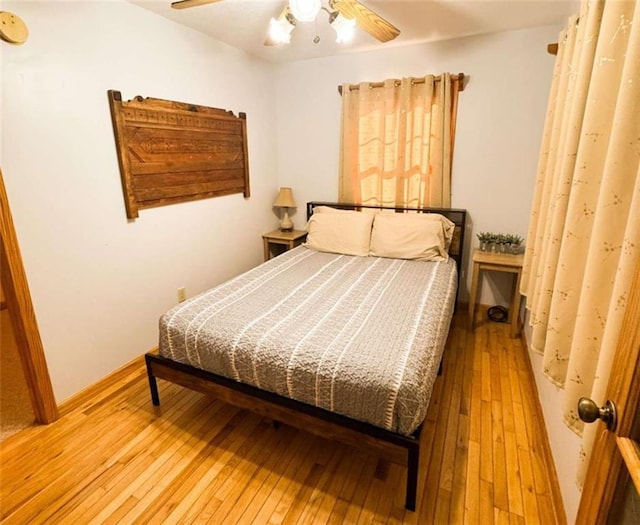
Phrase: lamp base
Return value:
(285, 224)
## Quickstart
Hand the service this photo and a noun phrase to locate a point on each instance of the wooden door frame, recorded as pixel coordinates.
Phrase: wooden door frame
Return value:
(23, 319)
(624, 390)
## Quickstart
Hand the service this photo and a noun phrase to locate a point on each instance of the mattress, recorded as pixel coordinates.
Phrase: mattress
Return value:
(358, 336)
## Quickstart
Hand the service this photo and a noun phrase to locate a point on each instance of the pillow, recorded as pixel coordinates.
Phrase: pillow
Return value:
(448, 227)
(410, 236)
(345, 233)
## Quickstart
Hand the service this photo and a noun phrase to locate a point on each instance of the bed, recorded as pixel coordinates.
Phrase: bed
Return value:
(328, 337)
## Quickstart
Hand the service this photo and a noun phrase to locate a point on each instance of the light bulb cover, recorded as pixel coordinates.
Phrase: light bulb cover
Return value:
(305, 10)
(345, 28)
(280, 30)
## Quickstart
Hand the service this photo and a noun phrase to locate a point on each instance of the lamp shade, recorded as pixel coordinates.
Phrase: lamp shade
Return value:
(285, 199)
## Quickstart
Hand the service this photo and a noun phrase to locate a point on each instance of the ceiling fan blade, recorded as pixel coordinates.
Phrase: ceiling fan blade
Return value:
(183, 4)
(371, 22)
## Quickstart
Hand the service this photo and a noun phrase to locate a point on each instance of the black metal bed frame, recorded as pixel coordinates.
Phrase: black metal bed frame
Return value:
(399, 448)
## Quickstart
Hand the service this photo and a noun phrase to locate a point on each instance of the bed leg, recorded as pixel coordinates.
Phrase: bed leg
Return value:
(153, 386)
(440, 368)
(412, 476)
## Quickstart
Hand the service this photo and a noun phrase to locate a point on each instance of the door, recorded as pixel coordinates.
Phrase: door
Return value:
(23, 319)
(612, 482)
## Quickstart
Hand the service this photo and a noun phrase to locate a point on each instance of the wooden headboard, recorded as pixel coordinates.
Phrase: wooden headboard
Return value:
(457, 216)
(173, 152)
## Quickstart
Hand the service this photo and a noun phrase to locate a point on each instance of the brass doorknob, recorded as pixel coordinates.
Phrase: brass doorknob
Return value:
(589, 412)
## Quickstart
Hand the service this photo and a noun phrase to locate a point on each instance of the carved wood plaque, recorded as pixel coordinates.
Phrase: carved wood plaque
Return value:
(175, 152)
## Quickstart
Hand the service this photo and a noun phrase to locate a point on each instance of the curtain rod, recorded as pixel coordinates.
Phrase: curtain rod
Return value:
(456, 78)
(552, 49)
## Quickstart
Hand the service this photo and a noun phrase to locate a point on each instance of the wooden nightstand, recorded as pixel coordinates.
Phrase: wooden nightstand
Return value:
(280, 242)
(497, 262)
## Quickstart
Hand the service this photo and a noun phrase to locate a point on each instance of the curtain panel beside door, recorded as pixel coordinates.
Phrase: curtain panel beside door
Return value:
(584, 234)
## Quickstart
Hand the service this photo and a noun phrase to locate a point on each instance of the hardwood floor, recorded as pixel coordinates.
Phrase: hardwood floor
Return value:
(114, 458)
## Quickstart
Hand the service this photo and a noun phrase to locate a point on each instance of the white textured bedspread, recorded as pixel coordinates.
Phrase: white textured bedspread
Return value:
(359, 336)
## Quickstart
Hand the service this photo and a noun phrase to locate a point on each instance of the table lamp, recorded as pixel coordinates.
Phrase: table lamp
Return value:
(285, 200)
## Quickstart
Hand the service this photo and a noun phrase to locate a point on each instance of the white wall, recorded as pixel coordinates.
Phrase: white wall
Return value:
(98, 281)
(500, 123)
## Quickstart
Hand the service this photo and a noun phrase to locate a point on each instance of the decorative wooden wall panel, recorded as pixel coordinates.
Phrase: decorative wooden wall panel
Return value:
(175, 152)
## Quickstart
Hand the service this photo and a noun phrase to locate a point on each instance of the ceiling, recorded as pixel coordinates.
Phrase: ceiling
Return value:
(243, 23)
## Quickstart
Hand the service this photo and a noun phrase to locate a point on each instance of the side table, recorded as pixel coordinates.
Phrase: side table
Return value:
(283, 240)
(497, 262)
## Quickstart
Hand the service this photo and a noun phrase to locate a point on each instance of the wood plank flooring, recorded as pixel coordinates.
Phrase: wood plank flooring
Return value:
(114, 458)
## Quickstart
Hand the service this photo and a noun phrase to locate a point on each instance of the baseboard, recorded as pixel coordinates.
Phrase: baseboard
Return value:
(556, 496)
(104, 386)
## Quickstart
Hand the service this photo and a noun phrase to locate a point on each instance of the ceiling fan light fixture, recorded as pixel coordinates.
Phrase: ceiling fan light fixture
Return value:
(344, 27)
(305, 10)
(280, 30)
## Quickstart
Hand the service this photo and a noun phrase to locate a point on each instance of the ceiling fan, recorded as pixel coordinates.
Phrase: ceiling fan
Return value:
(343, 16)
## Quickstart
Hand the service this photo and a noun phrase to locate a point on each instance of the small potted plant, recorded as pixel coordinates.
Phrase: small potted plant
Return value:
(501, 243)
(485, 239)
(514, 242)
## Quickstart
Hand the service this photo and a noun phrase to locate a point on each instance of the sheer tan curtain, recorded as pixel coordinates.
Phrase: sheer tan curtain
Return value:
(397, 140)
(584, 234)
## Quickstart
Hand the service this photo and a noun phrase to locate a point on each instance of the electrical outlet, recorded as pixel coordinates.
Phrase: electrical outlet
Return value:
(182, 294)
